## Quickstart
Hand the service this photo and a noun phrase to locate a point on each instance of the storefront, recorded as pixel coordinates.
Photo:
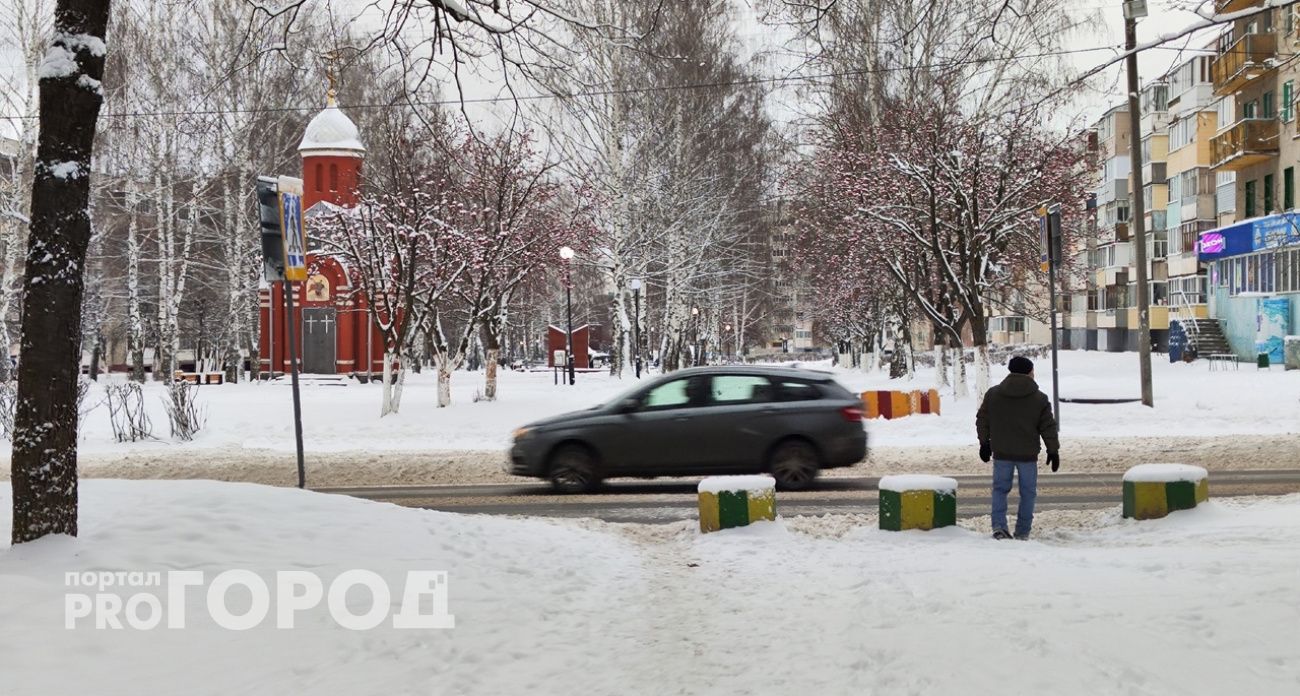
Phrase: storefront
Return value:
(1255, 282)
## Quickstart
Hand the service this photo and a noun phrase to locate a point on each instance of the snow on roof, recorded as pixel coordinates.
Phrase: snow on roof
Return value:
(917, 482)
(320, 208)
(717, 484)
(1163, 473)
(331, 129)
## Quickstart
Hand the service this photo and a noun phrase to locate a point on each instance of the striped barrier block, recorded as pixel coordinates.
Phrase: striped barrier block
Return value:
(886, 404)
(896, 404)
(1152, 491)
(917, 502)
(925, 401)
(736, 501)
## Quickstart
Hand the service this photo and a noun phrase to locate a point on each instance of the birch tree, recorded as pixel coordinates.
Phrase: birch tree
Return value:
(24, 26)
(403, 248)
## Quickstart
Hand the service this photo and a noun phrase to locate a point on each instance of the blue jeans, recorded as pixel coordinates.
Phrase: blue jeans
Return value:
(1002, 472)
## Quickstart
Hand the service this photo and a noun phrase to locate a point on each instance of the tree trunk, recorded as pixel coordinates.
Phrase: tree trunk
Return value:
(490, 386)
(8, 279)
(444, 385)
(960, 389)
(234, 281)
(981, 370)
(387, 395)
(134, 322)
(940, 364)
(493, 328)
(44, 463)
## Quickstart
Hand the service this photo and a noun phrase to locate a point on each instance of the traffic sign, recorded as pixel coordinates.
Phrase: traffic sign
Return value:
(295, 238)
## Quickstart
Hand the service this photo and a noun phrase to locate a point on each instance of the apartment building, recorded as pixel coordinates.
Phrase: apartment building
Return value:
(1253, 255)
(1194, 188)
(791, 318)
(1109, 287)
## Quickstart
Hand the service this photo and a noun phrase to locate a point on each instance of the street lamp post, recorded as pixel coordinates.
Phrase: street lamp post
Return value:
(566, 253)
(695, 339)
(734, 348)
(635, 284)
(1133, 11)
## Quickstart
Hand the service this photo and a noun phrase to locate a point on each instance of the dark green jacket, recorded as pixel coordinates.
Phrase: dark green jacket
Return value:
(1013, 416)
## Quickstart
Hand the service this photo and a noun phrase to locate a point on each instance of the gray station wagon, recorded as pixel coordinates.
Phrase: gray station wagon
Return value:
(701, 421)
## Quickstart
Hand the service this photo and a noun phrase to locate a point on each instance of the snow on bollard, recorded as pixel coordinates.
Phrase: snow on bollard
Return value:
(736, 501)
(917, 501)
(1152, 491)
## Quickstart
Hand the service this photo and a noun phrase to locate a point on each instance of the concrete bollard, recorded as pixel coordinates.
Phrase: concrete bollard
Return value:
(736, 501)
(916, 501)
(886, 404)
(1152, 491)
(925, 401)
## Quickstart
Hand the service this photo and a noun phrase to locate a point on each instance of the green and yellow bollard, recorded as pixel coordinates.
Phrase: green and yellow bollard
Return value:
(1152, 491)
(736, 501)
(917, 502)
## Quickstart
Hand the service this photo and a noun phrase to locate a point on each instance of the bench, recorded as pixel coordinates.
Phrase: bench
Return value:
(201, 377)
(1222, 358)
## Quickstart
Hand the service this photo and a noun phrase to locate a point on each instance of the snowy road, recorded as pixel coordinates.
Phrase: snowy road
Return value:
(674, 501)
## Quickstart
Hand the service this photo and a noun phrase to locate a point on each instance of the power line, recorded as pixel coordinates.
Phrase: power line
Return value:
(609, 92)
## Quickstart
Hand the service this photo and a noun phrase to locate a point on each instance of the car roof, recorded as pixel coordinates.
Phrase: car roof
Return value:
(763, 370)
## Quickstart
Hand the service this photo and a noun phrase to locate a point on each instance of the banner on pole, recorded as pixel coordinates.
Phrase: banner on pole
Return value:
(295, 238)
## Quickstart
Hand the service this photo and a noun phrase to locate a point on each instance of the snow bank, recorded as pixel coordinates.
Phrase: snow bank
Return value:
(568, 608)
(1160, 473)
(752, 484)
(1190, 401)
(917, 482)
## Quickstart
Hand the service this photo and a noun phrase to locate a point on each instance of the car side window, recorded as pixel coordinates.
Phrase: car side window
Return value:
(740, 389)
(672, 394)
(794, 390)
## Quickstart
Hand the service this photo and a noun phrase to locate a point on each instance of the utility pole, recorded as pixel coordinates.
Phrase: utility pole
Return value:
(1133, 9)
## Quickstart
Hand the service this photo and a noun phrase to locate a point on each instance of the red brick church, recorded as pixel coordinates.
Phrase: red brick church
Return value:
(332, 321)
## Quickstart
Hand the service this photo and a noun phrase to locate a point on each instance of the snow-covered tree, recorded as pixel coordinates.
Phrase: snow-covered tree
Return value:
(44, 462)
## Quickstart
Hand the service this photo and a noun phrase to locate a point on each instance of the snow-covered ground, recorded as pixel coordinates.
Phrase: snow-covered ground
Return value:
(1202, 602)
(1190, 401)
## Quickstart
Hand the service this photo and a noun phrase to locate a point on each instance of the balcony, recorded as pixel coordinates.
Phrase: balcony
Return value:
(1246, 59)
(1249, 142)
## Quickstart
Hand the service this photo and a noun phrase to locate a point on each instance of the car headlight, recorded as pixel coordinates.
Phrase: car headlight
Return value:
(520, 433)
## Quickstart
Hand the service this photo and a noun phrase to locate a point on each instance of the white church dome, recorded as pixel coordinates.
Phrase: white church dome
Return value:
(331, 130)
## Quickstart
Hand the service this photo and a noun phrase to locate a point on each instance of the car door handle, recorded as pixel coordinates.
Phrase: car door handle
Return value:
(682, 418)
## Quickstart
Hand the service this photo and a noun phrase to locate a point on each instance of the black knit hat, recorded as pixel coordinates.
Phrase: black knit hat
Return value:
(1020, 365)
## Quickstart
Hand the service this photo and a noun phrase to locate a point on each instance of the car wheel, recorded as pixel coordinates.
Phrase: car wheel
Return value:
(794, 465)
(573, 470)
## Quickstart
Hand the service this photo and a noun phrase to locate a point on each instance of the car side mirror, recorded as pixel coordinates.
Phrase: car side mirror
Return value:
(629, 405)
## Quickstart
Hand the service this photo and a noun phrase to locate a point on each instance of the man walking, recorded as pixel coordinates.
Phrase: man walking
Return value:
(1010, 421)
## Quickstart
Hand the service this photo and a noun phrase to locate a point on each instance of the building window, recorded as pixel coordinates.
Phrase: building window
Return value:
(1267, 110)
(1288, 188)
(1288, 108)
(334, 177)
(320, 177)
(1248, 109)
(1268, 194)
(1250, 199)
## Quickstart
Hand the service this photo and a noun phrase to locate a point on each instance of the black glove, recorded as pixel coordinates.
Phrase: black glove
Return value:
(986, 451)
(1054, 458)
